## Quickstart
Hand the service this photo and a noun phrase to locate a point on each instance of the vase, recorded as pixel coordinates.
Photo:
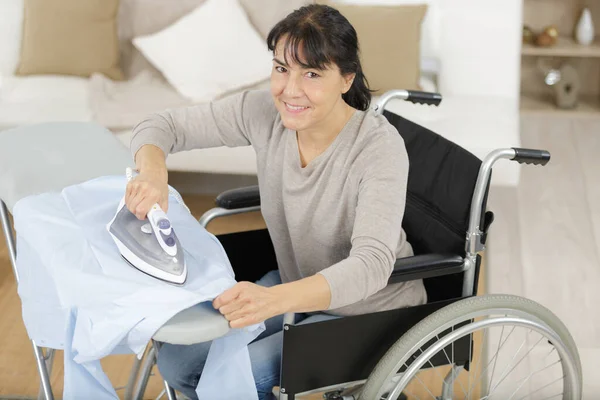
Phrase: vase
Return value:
(584, 32)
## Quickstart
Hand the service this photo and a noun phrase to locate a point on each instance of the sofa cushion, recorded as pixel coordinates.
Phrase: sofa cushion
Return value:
(70, 37)
(145, 17)
(389, 41)
(265, 14)
(211, 41)
(33, 99)
(11, 24)
(119, 105)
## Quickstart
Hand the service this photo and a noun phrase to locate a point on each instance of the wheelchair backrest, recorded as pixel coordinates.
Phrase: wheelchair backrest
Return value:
(441, 180)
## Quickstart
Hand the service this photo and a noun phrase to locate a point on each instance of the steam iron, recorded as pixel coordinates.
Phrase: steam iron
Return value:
(149, 245)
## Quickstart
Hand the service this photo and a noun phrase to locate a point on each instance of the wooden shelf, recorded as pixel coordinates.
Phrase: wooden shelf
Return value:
(565, 47)
(588, 107)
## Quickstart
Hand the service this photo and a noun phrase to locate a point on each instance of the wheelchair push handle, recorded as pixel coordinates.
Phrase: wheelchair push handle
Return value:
(531, 156)
(414, 96)
(419, 97)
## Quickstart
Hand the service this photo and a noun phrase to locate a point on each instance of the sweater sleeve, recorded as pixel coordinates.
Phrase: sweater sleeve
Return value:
(242, 119)
(377, 226)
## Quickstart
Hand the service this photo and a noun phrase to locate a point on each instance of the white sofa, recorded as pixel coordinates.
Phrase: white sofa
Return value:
(475, 50)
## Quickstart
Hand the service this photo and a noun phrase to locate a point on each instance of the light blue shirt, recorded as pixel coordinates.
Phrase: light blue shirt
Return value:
(79, 295)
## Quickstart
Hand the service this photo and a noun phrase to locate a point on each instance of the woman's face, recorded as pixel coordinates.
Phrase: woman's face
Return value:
(306, 98)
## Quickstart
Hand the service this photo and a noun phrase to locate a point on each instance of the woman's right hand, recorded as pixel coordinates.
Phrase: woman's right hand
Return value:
(145, 190)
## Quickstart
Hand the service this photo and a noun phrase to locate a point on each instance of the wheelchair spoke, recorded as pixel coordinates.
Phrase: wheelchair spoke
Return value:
(510, 362)
(450, 362)
(503, 377)
(522, 383)
(551, 397)
(496, 360)
(478, 365)
(426, 388)
(552, 350)
(545, 386)
(409, 393)
(437, 371)
(524, 380)
(422, 383)
(539, 370)
(501, 344)
(439, 374)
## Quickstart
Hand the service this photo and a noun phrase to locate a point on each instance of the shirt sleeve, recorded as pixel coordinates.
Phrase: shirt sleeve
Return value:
(242, 119)
(377, 226)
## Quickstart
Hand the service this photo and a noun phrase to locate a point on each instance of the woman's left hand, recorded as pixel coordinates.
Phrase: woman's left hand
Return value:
(247, 304)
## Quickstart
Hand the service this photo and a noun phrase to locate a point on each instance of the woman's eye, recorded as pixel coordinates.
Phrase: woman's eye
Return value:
(280, 69)
(312, 75)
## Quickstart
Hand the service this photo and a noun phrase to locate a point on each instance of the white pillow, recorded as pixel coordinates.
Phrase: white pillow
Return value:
(11, 25)
(209, 52)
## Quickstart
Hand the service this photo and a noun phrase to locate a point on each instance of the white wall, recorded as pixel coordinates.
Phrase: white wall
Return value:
(480, 47)
(477, 44)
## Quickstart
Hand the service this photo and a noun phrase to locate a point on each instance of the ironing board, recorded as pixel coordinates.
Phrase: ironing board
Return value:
(47, 157)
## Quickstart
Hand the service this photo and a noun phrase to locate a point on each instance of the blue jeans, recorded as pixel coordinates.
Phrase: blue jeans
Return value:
(181, 365)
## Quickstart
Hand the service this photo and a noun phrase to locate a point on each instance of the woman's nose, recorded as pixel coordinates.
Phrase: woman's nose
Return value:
(293, 86)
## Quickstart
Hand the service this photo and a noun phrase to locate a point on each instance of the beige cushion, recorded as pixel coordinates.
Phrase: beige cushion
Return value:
(70, 37)
(389, 41)
(265, 14)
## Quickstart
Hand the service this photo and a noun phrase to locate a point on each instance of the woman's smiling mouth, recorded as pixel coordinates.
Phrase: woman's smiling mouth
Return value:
(294, 108)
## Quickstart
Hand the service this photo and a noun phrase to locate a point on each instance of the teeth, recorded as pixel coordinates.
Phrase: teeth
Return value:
(296, 108)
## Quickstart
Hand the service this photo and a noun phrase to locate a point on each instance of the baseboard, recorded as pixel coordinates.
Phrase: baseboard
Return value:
(208, 184)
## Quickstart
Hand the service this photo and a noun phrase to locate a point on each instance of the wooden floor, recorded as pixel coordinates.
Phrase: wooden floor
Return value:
(545, 241)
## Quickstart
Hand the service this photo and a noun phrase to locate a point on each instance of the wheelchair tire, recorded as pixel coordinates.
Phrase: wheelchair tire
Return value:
(465, 311)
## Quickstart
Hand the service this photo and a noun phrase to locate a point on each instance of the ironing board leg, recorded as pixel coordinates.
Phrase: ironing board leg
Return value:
(45, 387)
(133, 376)
(12, 252)
(168, 389)
(145, 374)
(48, 361)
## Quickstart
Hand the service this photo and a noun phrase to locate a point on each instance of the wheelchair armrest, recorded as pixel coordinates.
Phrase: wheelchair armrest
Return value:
(239, 198)
(425, 266)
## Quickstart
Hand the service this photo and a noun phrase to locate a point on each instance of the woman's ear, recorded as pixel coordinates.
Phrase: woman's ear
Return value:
(348, 80)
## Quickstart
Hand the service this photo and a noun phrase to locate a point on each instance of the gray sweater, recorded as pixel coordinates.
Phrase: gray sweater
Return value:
(340, 216)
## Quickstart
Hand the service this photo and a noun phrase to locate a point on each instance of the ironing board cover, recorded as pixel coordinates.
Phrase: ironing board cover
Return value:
(79, 295)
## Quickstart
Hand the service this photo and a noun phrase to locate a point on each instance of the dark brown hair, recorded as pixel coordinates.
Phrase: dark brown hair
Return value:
(325, 36)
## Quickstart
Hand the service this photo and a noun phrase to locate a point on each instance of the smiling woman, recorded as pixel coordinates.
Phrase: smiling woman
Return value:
(332, 176)
(315, 60)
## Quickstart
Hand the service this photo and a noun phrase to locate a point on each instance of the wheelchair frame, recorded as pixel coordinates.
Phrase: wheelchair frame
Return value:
(475, 243)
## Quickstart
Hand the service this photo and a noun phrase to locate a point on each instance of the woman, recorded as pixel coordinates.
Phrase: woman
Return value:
(332, 176)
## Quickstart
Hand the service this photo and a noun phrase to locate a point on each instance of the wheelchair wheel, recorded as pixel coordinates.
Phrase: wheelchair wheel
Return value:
(539, 358)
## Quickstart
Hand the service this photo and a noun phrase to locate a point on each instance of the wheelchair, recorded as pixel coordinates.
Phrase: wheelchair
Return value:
(443, 349)
(382, 355)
